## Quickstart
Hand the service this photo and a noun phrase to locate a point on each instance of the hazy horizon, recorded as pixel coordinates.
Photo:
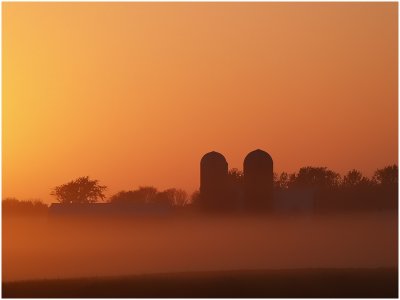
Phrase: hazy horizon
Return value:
(109, 196)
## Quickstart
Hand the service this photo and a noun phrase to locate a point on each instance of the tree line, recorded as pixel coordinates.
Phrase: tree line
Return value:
(331, 191)
(353, 191)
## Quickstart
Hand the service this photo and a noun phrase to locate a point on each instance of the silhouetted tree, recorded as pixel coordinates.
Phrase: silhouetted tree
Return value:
(388, 176)
(387, 186)
(172, 197)
(195, 199)
(180, 198)
(282, 183)
(235, 188)
(316, 177)
(150, 195)
(124, 197)
(81, 190)
(235, 176)
(147, 193)
(142, 195)
(15, 206)
(165, 197)
(354, 179)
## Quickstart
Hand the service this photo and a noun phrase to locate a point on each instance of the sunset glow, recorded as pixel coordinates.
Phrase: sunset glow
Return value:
(135, 93)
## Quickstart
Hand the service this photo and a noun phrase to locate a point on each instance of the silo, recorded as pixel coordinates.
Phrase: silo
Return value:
(213, 181)
(258, 180)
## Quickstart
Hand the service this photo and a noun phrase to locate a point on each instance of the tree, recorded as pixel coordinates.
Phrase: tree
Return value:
(235, 181)
(388, 176)
(317, 177)
(282, 183)
(195, 198)
(147, 193)
(353, 179)
(124, 197)
(81, 190)
(235, 177)
(180, 198)
(150, 195)
(172, 197)
(143, 195)
(13, 205)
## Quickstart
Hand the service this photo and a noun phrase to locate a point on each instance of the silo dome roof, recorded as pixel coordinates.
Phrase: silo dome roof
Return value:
(213, 155)
(257, 155)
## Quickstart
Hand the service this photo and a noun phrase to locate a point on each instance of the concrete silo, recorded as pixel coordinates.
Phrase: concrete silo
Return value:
(213, 181)
(258, 181)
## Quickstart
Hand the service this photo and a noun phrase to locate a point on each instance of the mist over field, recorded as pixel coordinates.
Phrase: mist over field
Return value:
(48, 247)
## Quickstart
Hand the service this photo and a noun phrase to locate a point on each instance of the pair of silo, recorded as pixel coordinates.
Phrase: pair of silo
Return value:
(258, 181)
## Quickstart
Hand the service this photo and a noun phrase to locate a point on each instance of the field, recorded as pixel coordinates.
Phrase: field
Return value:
(310, 283)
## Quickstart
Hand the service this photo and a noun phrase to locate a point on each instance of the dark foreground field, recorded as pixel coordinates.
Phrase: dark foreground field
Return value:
(310, 283)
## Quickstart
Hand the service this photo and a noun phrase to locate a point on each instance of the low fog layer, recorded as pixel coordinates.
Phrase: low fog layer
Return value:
(41, 247)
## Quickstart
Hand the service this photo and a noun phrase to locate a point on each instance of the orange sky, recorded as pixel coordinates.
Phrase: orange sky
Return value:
(135, 93)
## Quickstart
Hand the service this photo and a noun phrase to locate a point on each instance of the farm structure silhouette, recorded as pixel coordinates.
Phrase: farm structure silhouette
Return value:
(251, 192)
(213, 181)
(256, 189)
(217, 194)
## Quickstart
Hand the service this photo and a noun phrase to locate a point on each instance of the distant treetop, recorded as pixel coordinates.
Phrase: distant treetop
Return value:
(81, 190)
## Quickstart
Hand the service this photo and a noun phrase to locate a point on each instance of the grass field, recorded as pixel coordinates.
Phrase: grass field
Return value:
(310, 283)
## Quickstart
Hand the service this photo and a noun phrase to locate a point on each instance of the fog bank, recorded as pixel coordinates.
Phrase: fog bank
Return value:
(43, 247)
